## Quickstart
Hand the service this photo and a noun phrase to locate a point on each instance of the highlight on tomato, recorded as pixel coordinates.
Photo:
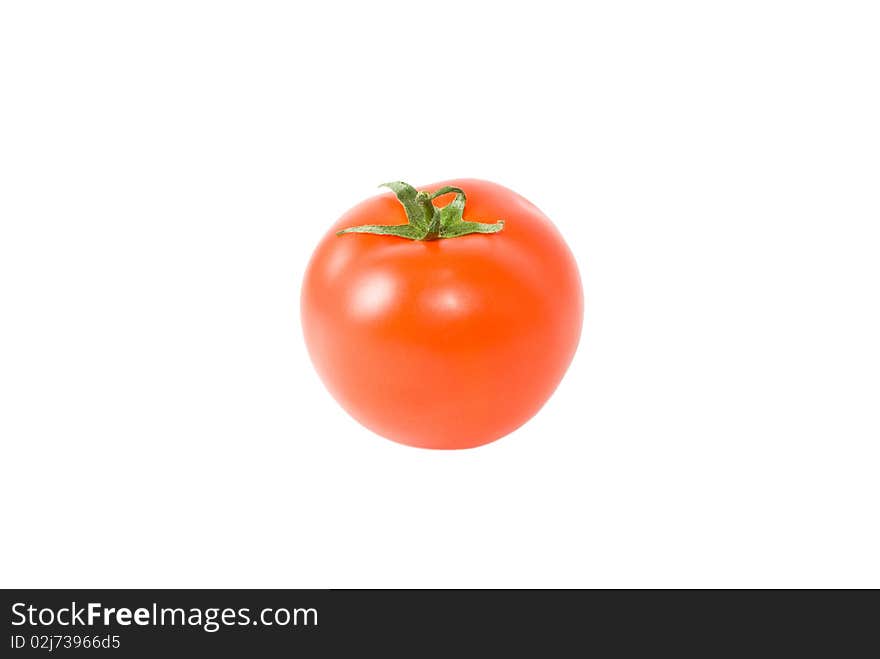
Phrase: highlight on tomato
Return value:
(444, 317)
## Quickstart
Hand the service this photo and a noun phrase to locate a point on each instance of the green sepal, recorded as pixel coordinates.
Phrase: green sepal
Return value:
(406, 195)
(424, 220)
(399, 230)
(464, 228)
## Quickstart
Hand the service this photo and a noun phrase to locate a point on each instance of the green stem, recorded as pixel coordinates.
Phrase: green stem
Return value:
(432, 217)
(424, 220)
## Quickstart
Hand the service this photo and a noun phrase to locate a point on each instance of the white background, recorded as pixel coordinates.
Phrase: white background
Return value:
(166, 169)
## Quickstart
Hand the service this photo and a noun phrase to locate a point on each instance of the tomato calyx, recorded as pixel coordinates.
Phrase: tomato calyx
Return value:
(424, 220)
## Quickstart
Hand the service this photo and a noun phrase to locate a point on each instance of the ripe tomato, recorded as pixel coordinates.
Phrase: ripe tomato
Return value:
(442, 342)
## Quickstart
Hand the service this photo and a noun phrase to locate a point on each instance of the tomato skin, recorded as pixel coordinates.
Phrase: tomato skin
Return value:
(443, 344)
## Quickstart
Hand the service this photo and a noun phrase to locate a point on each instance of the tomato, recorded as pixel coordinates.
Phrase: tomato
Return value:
(452, 340)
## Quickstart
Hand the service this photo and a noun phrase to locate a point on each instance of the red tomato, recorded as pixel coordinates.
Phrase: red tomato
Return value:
(447, 343)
